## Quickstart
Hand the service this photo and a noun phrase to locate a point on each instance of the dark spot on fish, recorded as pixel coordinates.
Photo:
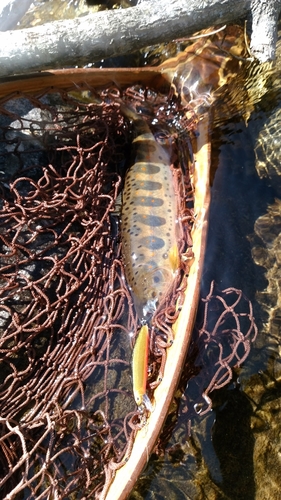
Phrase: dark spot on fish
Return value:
(149, 185)
(151, 264)
(144, 167)
(151, 220)
(150, 147)
(153, 242)
(148, 201)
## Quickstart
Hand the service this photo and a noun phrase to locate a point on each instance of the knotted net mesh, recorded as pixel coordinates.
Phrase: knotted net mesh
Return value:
(68, 417)
(66, 314)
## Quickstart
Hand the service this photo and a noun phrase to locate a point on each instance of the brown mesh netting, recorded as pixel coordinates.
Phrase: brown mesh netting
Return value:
(221, 341)
(68, 416)
(66, 314)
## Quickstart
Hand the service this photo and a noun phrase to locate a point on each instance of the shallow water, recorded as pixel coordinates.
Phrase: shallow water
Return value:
(42, 11)
(228, 453)
(232, 452)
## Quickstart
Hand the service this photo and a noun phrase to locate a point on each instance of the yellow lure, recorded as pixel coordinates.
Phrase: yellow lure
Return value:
(139, 368)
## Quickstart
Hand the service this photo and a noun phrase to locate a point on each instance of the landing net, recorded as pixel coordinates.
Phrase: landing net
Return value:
(66, 314)
(68, 417)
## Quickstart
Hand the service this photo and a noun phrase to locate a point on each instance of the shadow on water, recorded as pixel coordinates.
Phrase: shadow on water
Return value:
(233, 443)
(239, 197)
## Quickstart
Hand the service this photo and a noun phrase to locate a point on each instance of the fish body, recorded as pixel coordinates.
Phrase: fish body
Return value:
(148, 222)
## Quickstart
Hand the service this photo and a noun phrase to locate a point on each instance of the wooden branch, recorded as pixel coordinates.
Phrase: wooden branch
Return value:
(265, 15)
(111, 33)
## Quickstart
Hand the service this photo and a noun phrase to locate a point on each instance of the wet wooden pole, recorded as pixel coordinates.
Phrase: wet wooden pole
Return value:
(122, 31)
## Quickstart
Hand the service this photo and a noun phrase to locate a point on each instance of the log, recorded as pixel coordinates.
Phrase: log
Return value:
(111, 33)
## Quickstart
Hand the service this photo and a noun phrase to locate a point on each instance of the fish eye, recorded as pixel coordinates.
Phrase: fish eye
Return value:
(162, 138)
